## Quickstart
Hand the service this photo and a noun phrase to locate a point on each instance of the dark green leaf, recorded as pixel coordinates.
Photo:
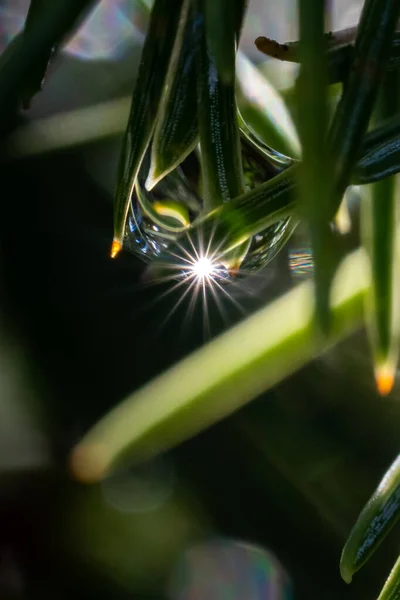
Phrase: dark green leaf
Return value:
(30, 49)
(156, 61)
(34, 82)
(379, 237)
(221, 158)
(371, 54)
(176, 133)
(381, 153)
(314, 171)
(222, 18)
(391, 589)
(374, 523)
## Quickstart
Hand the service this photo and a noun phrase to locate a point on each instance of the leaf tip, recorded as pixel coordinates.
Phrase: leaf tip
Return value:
(153, 178)
(88, 463)
(384, 377)
(346, 573)
(116, 248)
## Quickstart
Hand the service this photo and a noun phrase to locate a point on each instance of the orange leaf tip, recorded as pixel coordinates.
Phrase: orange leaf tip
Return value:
(88, 462)
(384, 376)
(116, 247)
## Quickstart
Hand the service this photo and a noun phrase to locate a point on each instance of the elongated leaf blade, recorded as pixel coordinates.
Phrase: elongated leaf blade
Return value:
(222, 17)
(379, 216)
(374, 523)
(156, 56)
(371, 54)
(221, 158)
(56, 21)
(391, 589)
(381, 154)
(176, 133)
(314, 171)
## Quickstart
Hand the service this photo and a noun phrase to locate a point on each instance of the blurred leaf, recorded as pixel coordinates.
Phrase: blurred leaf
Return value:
(33, 84)
(161, 39)
(391, 589)
(379, 236)
(375, 521)
(314, 171)
(222, 17)
(29, 49)
(220, 377)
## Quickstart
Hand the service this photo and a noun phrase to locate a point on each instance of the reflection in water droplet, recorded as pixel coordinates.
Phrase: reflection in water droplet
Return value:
(140, 489)
(228, 569)
(301, 263)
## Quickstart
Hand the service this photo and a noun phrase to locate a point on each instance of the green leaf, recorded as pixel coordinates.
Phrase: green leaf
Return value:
(371, 54)
(222, 17)
(220, 147)
(221, 158)
(379, 236)
(165, 34)
(220, 377)
(314, 171)
(34, 83)
(381, 154)
(176, 133)
(21, 67)
(375, 521)
(391, 589)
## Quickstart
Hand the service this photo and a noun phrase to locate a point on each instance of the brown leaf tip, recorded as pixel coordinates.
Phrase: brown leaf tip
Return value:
(384, 376)
(88, 462)
(116, 248)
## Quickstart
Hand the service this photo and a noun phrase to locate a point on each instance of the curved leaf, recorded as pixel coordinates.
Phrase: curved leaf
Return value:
(314, 170)
(263, 109)
(156, 58)
(221, 158)
(176, 132)
(374, 523)
(391, 589)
